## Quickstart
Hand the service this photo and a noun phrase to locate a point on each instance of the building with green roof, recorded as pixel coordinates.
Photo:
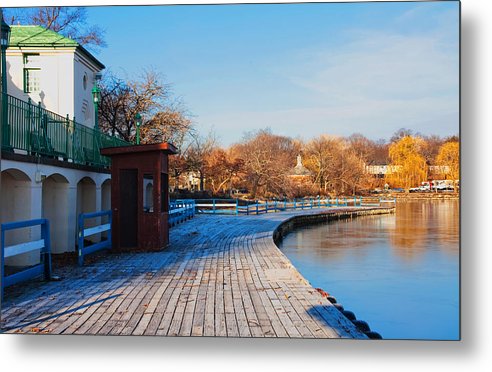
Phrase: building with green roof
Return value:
(51, 166)
(58, 72)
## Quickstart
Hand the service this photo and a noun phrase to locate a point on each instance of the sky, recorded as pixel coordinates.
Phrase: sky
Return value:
(299, 69)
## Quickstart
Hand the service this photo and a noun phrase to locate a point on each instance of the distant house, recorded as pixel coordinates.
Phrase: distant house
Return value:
(380, 171)
(441, 170)
(49, 68)
(300, 174)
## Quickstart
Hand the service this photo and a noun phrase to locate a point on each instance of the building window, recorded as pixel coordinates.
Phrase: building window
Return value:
(84, 81)
(31, 80)
(148, 193)
(30, 58)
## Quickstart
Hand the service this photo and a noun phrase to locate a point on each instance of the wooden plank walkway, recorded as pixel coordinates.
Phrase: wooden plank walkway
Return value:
(221, 276)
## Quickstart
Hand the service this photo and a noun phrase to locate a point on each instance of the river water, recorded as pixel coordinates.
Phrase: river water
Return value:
(399, 273)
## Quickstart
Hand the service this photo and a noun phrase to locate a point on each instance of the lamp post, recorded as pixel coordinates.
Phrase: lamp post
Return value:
(96, 98)
(4, 43)
(138, 122)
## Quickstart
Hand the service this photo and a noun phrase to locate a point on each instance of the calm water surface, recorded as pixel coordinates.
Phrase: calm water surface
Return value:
(399, 273)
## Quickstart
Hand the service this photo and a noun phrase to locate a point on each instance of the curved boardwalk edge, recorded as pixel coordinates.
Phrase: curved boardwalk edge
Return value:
(222, 276)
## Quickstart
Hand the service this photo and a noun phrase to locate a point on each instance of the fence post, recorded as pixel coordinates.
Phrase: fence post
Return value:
(337, 201)
(2, 263)
(295, 204)
(237, 206)
(45, 234)
(275, 206)
(39, 118)
(257, 207)
(67, 134)
(285, 204)
(30, 118)
(213, 208)
(266, 207)
(80, 258)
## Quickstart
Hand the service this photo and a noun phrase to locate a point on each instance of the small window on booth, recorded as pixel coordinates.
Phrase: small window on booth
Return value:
(164, 193)
(148, 193)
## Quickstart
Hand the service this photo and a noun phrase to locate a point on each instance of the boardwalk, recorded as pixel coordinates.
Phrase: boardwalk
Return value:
(222, 276)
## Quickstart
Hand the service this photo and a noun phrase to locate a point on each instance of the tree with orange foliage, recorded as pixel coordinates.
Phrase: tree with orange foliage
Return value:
(221, 168)
(449, 156)
(407, 159)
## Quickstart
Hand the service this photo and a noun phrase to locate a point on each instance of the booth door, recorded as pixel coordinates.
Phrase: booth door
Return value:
(128, 208)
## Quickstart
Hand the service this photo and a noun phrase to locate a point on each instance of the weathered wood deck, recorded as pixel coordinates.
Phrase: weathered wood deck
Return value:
(222, 276)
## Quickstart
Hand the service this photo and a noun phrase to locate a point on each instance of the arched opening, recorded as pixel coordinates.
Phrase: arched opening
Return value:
(105, 202)
(55, 208)
(86, 203)
(16, 206)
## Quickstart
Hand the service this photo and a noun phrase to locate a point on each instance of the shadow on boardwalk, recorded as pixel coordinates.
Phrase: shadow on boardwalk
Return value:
(222, 276)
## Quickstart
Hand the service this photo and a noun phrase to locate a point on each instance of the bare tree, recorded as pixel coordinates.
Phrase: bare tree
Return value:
(320, 159)
(363, 147)
(222, 167)
(169, 125)
(164, 119)
(267, 160)
(197, 152)
(337, 166)
(68, 21)
(115, 98)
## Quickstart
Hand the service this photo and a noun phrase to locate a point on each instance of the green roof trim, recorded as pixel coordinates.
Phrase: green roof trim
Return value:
(38, 36)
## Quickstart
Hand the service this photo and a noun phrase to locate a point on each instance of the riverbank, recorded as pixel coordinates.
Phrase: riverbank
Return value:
(222, 276)
(424, 195)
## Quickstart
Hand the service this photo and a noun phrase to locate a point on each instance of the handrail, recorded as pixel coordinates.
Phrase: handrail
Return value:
(236, 206)
(180, 211)
(43, 245)
(84, 232)
(37, 131)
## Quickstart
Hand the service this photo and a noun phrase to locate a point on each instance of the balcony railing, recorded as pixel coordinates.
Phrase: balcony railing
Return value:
(33, 130)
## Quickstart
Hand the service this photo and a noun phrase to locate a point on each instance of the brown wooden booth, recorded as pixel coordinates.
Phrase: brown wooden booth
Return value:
(140, 196)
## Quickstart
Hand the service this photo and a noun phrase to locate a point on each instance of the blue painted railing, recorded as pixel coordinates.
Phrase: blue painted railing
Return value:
(43, 245)
(86, 232)
(180, 211)
(236, 206)
(214, 206)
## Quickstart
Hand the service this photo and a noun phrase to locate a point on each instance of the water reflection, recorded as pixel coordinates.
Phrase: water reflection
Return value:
(419, 225)
(398, 272)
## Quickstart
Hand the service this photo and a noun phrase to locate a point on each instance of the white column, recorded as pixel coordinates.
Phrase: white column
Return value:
(72, 217)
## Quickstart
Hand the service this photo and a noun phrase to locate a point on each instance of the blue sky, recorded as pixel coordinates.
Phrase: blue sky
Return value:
(299, 69)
